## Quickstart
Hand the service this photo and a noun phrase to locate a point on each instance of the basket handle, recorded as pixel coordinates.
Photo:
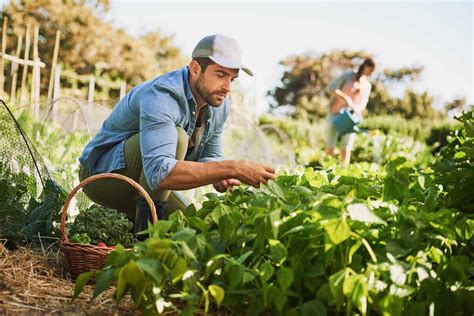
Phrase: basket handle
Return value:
(104, 176)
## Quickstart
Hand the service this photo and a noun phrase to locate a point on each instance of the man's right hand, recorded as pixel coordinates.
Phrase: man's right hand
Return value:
(190, 174)
(253, 173)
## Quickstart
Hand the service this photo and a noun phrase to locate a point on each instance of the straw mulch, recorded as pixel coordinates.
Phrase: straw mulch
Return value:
(33, 282)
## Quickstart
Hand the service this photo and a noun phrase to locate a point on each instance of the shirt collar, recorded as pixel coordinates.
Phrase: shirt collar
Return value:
(187, 88)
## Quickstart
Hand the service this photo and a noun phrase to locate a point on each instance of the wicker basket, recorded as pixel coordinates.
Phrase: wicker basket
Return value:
(80, 258)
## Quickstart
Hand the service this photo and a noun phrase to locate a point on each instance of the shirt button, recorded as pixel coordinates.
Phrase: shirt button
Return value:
(194, 113)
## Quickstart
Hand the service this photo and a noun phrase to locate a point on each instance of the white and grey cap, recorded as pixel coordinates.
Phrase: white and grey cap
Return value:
(222, 50)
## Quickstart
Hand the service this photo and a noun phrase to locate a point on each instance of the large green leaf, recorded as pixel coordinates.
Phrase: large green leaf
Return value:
(355, 288)
(235, 275)
(103, 281)
(395, 188)
(277, 250)
(266, 271)
(312, 308)
(81, 281)
(337, 230)
(360, 212)
(217, 292)
(391, 305)
(152, 267)
(227, 226)
(132, 274)
(336, 282)
(285, 277)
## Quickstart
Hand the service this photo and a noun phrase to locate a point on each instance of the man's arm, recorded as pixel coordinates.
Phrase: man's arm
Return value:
(189, 174)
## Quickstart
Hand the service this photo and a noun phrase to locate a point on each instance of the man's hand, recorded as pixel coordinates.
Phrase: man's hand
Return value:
(254, 173)
(190, 174)
(225, 185)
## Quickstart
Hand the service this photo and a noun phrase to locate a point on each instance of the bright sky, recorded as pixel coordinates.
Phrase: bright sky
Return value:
(438, 35)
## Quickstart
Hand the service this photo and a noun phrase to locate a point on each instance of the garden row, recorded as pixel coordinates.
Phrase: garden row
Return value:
(392, 238)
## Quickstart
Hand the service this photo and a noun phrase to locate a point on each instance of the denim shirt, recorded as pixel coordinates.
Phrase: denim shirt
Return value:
(154, 109)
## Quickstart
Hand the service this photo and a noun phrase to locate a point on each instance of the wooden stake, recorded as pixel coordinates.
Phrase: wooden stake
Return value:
(25, 66)
(4, 48)
(123, 87)
(57, 80)
(53, 65)
(90, 97)
(34, 77)
(14, 71)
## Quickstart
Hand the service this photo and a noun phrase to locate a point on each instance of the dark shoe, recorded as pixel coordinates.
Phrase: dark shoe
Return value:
(143, 214)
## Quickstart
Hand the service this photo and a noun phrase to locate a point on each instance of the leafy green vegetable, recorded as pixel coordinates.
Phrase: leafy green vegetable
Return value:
(101, 224)
(309, 243)
(24, 216)
(43, 217)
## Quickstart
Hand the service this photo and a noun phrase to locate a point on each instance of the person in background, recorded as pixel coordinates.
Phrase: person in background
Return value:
(350, 90)
(166, 134)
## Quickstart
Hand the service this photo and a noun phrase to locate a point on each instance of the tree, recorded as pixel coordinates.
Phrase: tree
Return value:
(305, 78)
(411, 105)
(89, 43)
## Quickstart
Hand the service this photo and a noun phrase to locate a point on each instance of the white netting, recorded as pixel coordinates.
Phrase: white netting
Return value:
(67, 124)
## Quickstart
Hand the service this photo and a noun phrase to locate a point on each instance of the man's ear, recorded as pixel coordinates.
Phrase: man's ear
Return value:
(194, 68)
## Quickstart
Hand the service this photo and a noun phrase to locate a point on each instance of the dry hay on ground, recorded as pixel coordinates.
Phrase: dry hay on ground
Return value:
(34, 283)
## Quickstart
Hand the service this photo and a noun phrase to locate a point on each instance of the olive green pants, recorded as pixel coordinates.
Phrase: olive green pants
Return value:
(121, 196)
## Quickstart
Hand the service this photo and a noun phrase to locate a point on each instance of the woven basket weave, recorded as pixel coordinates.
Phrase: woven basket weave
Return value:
(81, 258)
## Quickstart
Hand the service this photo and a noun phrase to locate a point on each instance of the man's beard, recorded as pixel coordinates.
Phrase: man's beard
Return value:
(207, 95)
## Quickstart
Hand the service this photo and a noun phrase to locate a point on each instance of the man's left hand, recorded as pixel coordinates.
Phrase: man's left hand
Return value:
(225, 185)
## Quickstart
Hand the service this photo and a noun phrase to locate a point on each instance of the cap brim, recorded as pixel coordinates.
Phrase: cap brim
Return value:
(230, 64)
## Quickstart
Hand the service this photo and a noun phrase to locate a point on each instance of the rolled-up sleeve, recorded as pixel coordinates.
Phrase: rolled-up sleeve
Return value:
(338, 82)
(158, 135)
(213, 148)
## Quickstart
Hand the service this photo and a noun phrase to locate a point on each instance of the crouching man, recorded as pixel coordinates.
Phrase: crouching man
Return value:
(166, 134)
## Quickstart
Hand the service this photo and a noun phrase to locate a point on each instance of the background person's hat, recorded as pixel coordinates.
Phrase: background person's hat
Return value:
(222, 50)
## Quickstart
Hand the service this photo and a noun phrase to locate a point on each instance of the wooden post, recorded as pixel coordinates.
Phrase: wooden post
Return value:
(34, 77)
(75, 120)
(4, 48)
(14, 71)
(90, 97)
(57, 80)
(56, 88)
(25, 66)
(53, 65)
(123, 87)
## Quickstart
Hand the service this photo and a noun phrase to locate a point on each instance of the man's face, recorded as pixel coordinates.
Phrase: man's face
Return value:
(215, 83)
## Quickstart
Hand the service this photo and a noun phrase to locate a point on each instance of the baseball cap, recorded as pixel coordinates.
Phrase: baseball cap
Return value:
(222, 50)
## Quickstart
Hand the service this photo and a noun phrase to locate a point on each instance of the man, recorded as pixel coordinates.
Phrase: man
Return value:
(166, 135)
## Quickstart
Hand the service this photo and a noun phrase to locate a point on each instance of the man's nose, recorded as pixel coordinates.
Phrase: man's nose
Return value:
(227, 85)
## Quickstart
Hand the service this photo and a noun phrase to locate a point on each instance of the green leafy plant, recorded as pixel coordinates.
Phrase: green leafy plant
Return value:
(455, 168)
(14, 199)
(25, 216)
(317, 242)
(101, 224)
(43, 216)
